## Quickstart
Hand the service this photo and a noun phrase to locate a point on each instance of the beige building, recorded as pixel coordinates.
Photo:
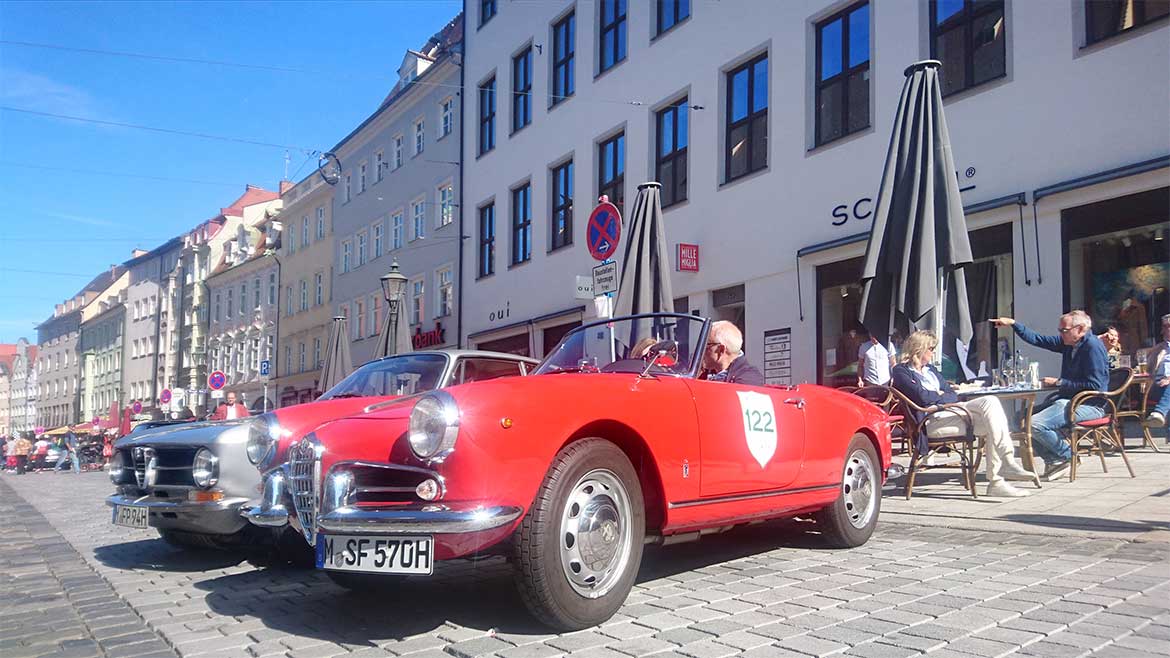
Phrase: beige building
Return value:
(7, 357)
(306, 268)
(22, 388)
(103, 327)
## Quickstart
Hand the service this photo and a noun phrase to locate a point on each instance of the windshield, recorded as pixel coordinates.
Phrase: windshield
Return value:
(673, 342)
(397, 375)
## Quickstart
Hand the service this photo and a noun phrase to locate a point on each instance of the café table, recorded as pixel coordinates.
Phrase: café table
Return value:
(1026, 398)
(1139, 411)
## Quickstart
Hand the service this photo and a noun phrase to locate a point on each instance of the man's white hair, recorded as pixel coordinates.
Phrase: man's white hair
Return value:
(1079, 318)
(728, 335)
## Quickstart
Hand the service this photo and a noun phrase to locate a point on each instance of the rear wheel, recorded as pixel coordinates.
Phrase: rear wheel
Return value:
(850, 520)
(578, 550)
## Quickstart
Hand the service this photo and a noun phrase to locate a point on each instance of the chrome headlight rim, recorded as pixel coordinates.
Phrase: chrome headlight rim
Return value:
(434, 427)
(264, 434)
(117, 469)
(205, 469)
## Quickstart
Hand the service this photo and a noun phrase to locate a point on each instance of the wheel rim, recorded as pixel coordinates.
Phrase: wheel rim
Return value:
(859, 490)
(595, 542)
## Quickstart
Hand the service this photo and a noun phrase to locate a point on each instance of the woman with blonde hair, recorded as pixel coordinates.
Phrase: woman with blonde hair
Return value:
(918, 380)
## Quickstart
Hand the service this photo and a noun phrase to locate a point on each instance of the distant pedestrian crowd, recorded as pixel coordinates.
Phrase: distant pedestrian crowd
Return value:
(26, 452)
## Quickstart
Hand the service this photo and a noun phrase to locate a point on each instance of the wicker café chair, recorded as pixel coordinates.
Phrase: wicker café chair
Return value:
(883, 397)
(1099, 434)
(960, 441)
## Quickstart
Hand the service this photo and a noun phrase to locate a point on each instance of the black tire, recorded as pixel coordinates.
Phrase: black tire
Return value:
(542, 575)
(845, 523)
(292, 548)
(363, 583)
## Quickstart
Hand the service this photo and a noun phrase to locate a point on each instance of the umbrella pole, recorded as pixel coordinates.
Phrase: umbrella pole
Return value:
(940, 317)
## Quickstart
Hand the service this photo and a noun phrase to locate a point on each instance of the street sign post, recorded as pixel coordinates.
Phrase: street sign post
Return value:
(216, 380)
(603, 231)
(136, 408)
(165, 396)
(605, 278)
(265, 368)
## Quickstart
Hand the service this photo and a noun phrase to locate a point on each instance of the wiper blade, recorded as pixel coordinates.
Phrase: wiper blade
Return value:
(340, 396)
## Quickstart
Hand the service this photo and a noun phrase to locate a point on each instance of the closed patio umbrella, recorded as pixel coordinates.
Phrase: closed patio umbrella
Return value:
(338, 363)
(394, 339)
(918, 244)
(644, 286)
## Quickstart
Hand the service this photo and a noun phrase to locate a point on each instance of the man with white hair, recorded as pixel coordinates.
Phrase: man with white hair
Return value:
(1084, 366)
(723, 358)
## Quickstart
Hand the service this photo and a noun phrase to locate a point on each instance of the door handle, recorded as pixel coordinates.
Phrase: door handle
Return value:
(799, 402)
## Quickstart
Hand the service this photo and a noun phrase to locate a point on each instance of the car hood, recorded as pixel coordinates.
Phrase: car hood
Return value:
(187, 434)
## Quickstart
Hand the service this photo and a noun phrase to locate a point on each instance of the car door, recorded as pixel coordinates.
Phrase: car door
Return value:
(751, 438)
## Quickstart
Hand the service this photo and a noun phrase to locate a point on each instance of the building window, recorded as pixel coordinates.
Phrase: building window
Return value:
(397, 151)
(670, 165)
(446, 117)
(320, 223)
(968, 37)
(304, 295)
(564, 51)
(671, 13)
(301, 357)
(348, 187)
(562, 206)
(611, 169)
(446, 205)
(256, 293)
(487, 116)
(747, 119)
(272, 289)
(842, 97)
(379, 229)
(612, 41)
(346, 256)
(419, 137)
(416, 301)
(361, 248)
(288, 304)
(487, 11)
(228, 314)
(396, 231)
(288, 358)
(522, 89)
(375, 313)
(319, 288)
(216, 308)
(316, 353)
(359, 323)
(1108, 18)
(361, 178)
(487, 240)
(445, 283)
(418, 213)
(522, 224)
(379, 165)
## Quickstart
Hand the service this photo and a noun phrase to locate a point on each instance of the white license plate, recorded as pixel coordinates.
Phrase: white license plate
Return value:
(401, 555)
(131, 516)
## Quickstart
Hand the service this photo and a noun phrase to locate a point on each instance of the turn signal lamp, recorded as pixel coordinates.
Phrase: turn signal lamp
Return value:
(204, 496)
(428, 489)
(506, 423)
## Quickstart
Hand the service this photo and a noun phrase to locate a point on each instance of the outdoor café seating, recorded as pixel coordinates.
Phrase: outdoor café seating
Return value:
(926, 440)
(1099, 435)
(883, 397)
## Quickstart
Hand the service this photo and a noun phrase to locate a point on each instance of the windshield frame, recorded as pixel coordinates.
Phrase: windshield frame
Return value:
(693, 373)
(447, 357)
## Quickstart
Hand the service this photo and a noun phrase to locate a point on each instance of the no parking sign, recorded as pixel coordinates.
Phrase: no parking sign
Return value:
(603, 231)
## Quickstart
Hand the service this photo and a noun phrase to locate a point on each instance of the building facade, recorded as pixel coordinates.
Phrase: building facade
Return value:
(244, 290)
(100, 348)
(143, 364)
(22, 388)
(7, 356)
(306, 274)
(769, 137)
(397, 201)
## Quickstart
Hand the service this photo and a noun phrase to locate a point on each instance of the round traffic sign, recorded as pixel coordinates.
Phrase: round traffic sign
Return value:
(165, 396)
(603, 231)
(136, 407)
(216, 380)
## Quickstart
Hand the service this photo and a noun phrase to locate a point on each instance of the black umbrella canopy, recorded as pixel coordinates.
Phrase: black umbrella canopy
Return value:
(394, 338)
(918, 244)
(338, 363)
(645, 267)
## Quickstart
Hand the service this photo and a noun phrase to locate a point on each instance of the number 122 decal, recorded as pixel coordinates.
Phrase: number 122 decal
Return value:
(759, 425)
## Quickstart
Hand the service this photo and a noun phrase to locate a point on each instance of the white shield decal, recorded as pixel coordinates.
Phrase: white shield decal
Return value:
(759, 425)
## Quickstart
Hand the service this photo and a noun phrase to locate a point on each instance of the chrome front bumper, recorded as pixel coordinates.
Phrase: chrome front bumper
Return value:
(212, 517)
(271, 512)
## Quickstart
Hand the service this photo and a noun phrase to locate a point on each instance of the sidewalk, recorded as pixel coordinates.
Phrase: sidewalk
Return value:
(1097, 504)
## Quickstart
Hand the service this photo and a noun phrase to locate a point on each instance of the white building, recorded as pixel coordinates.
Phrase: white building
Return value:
(768, 124)
(143, 362)
(22, 389)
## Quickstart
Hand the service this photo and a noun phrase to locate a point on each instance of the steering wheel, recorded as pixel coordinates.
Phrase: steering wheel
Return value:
(664, 353)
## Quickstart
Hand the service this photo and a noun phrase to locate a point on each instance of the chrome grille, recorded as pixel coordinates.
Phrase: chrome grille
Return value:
(304, 473)
(140, 457)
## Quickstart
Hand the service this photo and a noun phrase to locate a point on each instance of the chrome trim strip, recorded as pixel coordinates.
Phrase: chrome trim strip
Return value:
(225, 504)
(385, 489)
(272, 512)
(416, 519)
(749, 496)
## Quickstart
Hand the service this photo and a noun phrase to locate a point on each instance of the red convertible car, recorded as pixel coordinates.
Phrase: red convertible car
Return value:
(571, 471)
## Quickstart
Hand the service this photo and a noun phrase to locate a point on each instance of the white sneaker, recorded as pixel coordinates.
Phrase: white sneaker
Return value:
(1001, 489)
(1156, 419)
(1017, 473)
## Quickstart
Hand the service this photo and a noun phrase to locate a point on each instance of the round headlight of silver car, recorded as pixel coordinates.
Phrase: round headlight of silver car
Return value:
(263, 433)
(117, 467)
(205, 469)
(434, 426)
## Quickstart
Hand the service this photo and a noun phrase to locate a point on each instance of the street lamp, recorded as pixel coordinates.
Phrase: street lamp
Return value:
(393, 287)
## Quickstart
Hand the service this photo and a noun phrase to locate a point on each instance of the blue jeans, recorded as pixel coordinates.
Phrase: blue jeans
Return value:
(1050, 423)
(1158, 394)
(66, 455)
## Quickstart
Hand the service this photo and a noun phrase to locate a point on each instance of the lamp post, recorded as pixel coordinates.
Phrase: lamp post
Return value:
(393, 286)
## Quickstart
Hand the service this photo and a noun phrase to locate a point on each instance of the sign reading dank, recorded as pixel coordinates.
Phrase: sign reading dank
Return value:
(431, 338)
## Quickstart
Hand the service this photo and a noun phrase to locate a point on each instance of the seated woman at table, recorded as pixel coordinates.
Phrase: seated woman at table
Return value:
(918, 380)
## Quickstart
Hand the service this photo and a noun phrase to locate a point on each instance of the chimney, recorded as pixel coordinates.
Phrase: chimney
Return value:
(113, 271)
(135, 253)
(285, 186)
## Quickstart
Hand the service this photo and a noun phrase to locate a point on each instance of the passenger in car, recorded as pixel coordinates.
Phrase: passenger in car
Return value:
(723, 359)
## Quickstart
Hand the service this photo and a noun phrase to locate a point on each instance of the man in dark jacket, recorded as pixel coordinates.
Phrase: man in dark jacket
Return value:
(1084, 366)
(723, 358)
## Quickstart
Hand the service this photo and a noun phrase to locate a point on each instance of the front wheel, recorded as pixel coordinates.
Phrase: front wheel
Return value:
(850, 520)
(578, 550)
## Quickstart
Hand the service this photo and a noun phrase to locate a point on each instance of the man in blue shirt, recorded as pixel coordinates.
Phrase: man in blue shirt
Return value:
(1160, 378)
(1084, 366)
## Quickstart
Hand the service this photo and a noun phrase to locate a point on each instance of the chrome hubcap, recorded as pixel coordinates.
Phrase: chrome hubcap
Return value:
(595, 541)
(859, 490)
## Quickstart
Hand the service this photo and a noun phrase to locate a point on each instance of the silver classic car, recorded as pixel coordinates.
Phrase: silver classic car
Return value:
(191, 481)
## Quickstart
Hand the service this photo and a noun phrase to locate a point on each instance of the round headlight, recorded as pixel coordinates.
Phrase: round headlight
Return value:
(205, 469)
(434, 426)
(263, 433)
(117, 467)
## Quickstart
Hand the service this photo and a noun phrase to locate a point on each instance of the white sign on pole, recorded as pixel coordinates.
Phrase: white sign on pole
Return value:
(584, 288)
(605, 278)
(216, 394)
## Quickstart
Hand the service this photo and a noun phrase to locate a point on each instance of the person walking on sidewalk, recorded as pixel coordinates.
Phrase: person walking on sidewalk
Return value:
(1084, 366)
(68, 449)
(21, 449)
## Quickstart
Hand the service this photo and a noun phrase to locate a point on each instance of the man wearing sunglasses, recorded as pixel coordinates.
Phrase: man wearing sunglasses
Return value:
(1084, 366)
(723, 359)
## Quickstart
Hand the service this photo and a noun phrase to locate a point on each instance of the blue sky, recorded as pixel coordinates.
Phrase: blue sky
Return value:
(59, 228)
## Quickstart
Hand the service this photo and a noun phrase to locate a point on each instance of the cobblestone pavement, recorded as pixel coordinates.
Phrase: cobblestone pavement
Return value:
(767, 590)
